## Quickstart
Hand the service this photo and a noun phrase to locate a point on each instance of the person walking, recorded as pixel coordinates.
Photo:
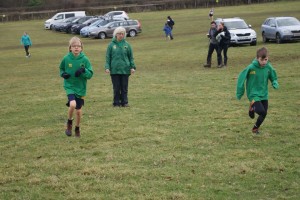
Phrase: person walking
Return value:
(168, 31)
(120, 65)
(26, 42)
(213, 43)
(256, 76)
(171, 23)
(76, 69)
(211, 14)
(223, 37)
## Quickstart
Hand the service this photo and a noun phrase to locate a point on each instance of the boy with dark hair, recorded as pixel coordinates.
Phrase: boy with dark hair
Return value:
(76, 69)
(256, 76)
(213, 43)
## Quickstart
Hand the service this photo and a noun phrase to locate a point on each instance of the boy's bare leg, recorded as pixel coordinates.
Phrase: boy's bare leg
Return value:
(71, 109)
(78, 117)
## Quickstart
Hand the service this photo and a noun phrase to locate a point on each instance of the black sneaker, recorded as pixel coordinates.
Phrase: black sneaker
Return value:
(207, 65)
(125, 105)
(77, 133)
(251, 111)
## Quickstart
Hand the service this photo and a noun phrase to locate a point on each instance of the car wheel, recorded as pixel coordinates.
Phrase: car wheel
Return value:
(278, 38)
(253, 44)
(132, 33)
(102, 35)
(264, 38)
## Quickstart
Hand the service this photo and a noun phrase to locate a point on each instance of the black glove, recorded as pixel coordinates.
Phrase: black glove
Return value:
(65, 75)
(79, 71)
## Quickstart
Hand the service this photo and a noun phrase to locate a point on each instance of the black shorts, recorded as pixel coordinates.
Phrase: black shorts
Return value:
(79, 101)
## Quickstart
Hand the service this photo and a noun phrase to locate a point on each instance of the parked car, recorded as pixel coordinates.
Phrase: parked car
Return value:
(58, 17)
(133, 27)
(280, 29)
(84, 32)
(67, 26)
(77, 27)
(57, 25)
(122, 15)
(240, 32)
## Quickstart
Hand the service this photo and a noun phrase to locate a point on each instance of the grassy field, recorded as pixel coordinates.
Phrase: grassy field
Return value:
(185, 135)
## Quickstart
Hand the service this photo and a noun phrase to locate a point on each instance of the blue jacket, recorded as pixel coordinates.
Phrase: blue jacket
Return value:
(25, 40)
(167, 29)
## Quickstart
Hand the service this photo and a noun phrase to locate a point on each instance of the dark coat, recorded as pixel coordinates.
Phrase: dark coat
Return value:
(225, 38)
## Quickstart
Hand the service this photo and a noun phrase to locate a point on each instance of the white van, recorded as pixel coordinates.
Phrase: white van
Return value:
(61, 16)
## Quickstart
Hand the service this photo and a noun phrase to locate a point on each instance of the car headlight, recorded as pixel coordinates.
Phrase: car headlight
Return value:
(253, 34)
(232, 34)
(285, 31)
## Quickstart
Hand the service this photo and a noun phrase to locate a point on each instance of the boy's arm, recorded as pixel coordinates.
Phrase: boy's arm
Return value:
(88, 70)
(273, 78)
(240, 87)
(62, 67)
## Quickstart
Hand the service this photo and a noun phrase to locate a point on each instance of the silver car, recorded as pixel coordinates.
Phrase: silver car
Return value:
(133, 27)
(280, 29)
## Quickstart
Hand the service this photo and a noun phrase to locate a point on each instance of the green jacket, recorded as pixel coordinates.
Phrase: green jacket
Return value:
(70, 64)
(256, 78)
(119, 57)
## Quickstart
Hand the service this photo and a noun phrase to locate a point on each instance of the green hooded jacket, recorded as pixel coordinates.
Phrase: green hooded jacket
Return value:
(256, 78)
(119, 57)
(70, 64)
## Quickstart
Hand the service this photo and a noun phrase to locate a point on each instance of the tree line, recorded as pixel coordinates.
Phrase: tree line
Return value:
(42, 9)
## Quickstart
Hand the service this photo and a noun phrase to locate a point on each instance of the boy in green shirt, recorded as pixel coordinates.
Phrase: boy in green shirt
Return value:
(76, 69)
(256, 76)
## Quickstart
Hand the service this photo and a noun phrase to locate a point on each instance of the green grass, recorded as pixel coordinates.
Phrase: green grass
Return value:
(185, 135)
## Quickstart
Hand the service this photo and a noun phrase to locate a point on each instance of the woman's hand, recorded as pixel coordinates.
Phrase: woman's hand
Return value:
(107, 71)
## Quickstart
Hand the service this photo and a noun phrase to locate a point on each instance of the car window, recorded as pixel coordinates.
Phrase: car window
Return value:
(116, 24)
(61, 16)
(132, 23)
(125, 23)
(288, 22)
(267, 22)
(236, 25)
(70, 15)
(272, 22)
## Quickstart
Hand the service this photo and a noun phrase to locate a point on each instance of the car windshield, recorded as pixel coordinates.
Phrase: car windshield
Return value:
(236, 25)
(288, 22)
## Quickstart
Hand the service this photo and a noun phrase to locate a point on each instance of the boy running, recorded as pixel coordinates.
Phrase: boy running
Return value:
(256, 76)
(75, 68)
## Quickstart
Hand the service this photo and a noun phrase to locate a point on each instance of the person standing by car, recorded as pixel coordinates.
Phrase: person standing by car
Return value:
(171, 23)
(26, 42)
(213, 43)
(120, 65)
(223, 37)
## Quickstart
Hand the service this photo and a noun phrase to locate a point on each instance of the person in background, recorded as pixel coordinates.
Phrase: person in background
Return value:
(168, 31)
(26, 42)
(223, 37)
(213, 44)
(211, 14)
(120, 65)
(171, 23)
(76, 69)
(256, 76)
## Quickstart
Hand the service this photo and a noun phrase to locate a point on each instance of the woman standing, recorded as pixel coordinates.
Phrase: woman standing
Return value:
(120, 65)
(25, 40)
